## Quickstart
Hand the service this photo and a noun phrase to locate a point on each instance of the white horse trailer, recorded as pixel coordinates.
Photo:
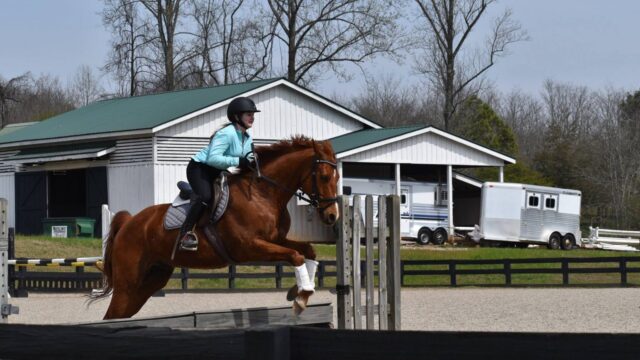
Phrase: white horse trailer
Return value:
(529, 214)
(423, 206)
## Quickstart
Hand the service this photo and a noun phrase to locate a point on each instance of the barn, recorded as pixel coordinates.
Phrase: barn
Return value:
(130, 152)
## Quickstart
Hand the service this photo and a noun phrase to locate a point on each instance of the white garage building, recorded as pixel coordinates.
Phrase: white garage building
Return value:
(129, 153)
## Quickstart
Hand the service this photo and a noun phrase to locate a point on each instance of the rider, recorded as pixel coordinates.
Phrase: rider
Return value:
(229, 146)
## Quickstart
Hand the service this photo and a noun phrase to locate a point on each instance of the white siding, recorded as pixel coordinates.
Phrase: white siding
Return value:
(130, 187)
(166, 177)
(178, 150)
(132, 151)
(8, 191)
(307, 226)
(427, 148)
(7, 168)
(285, 113)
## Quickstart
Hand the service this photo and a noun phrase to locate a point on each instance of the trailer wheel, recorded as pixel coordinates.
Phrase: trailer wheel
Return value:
(554, 241)
(568, 241)
(439, 236)
(424, 236)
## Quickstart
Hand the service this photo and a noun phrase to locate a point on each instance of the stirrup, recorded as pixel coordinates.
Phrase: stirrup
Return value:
(189, 241)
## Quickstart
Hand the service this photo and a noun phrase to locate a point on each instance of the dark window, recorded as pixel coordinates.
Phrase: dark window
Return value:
(403, 199)
(550, 203)
(534, 201)
(346, 190)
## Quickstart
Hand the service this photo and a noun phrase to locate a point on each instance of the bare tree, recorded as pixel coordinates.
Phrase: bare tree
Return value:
(387, 102)
(171, 53)
(231, 45)
(448, 25)
(10, 95)
(131, 36)
(319, 35)
(85, 87)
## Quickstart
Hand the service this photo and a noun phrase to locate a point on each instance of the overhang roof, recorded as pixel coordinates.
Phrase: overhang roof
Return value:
(363, 140)
(62, 153)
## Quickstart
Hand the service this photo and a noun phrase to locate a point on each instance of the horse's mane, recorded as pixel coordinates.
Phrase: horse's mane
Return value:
(271, 152)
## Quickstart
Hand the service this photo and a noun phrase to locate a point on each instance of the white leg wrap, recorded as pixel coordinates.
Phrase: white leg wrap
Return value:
(311, 265)
(302, 278)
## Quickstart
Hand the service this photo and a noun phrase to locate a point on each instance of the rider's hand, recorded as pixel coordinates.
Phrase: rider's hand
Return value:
(248, 160)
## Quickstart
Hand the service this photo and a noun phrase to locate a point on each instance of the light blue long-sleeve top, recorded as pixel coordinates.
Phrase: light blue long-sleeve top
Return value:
(227, 145)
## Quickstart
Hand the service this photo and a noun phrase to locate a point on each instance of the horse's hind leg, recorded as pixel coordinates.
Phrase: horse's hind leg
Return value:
(128, 298)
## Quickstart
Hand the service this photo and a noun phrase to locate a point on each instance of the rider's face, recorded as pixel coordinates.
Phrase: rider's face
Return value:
(247, 119)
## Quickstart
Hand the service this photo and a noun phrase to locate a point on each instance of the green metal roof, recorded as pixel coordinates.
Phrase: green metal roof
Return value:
(128, 114)
(362, 138)
(14, 127)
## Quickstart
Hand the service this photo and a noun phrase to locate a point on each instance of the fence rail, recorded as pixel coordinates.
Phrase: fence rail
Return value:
(24, 280)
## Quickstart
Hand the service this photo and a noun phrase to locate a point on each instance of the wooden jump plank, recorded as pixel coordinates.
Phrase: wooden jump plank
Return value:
(315, 314)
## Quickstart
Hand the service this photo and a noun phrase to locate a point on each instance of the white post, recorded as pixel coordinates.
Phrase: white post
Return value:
(450, 197)
(398, 179)
(5, 308)
(501, 176)
(106, 224)
(340, 178)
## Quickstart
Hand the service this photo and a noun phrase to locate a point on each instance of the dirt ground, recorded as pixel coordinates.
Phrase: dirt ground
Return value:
(608, 310)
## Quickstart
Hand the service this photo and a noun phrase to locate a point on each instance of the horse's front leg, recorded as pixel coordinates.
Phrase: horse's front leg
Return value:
(310, 256)
(261, 250)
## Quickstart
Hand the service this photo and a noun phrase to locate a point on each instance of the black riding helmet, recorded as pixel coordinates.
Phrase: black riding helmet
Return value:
(238, 106)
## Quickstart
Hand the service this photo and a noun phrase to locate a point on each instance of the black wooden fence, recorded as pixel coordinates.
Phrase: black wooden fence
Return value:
(26, 279)
(510, 267)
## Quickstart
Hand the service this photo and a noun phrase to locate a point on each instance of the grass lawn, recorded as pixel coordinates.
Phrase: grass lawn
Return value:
(45, 247)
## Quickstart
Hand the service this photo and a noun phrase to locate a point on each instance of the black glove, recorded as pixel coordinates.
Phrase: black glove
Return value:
(247, 161)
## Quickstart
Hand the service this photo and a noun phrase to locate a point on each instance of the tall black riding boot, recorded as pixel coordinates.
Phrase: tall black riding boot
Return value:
(188, 238)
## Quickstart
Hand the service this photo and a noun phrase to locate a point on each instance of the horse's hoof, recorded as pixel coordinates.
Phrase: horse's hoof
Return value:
(292, 293)
(299, 305)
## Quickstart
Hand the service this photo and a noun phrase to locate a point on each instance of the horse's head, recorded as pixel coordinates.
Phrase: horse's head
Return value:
(322, 183)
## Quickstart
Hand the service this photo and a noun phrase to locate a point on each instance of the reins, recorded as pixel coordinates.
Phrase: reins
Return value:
(314, 199)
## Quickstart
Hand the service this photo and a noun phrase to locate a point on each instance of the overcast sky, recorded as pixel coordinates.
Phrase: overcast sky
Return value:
(583, 42)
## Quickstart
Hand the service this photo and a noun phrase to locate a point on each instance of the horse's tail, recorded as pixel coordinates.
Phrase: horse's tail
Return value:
(119, 219)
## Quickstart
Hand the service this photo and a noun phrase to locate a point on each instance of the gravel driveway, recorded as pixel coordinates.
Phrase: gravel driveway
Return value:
(471, 309)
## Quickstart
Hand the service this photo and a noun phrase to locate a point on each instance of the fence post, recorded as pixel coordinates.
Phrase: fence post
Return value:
(623, 272)
(5, 308)
(12, 255)
(357, 265)
(452, 272)
(343, 267)
(393, 261)
(565, 272)
(507, 272)
(232, 276)
(383, 320)
(320, 274)
(278, 276)
(369, 260)
(184, 278)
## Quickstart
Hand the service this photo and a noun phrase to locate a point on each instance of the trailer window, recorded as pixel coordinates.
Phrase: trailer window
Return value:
(403, 199)
(534, 201)
(346, 190)
(550, 203)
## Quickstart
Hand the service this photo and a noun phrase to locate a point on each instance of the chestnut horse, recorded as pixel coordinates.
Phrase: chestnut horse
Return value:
(137, 260)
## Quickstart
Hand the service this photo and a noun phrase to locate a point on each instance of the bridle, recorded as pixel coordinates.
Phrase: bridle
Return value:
(314, 198)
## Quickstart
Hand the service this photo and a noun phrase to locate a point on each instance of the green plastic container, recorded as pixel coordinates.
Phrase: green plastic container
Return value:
(68, 227)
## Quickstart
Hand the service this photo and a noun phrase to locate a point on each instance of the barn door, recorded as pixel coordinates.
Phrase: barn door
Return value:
(31, 201)
(96, 190)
